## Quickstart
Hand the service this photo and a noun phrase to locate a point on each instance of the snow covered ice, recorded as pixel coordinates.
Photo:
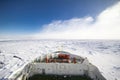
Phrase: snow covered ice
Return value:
(105, 54)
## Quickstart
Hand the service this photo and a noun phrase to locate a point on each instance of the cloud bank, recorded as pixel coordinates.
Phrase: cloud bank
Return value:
(105, 26)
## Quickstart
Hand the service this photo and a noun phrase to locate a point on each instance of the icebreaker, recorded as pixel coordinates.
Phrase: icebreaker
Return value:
(56, 66)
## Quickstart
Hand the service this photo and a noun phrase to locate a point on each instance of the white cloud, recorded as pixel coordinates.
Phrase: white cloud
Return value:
(105, 26)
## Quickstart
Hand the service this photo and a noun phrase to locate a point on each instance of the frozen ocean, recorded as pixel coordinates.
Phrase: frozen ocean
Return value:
(105, 54)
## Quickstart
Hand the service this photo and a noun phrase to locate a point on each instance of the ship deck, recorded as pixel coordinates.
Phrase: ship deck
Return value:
(58, 77)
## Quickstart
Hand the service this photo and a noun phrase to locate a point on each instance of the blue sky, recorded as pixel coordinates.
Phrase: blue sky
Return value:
(29, 16)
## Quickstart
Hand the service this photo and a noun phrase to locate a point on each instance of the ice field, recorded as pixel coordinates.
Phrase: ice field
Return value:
(105, 54)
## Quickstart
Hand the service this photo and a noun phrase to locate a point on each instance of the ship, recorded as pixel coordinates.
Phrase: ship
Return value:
(58, 65)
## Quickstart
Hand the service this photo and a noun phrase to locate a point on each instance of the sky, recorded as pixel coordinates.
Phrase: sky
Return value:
(60, 19)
